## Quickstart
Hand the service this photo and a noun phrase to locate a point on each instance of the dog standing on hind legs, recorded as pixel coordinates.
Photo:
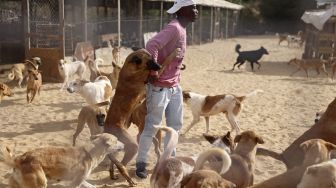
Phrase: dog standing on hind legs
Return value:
(250, 56)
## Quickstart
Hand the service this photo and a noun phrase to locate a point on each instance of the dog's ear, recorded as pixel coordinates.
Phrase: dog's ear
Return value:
(211, 139)
(330, 146)
(186, 94)
(228, 134)
(135, 59)
(312, 170)
(237, 138)
(259, 140)
(2, 86)
(305, 145)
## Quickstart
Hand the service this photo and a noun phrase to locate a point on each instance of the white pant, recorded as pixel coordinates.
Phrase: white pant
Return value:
(160, 100)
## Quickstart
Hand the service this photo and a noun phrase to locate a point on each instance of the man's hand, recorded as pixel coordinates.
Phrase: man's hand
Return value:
(152, 78)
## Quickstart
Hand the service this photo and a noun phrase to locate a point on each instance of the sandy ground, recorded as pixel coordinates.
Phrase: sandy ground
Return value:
(284, 111)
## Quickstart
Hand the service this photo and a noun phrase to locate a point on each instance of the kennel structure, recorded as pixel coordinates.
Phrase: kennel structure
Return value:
(320, 33)
(52, 29)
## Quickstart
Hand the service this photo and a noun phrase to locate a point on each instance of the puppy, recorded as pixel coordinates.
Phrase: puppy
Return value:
(322, 175)
(250, 56)
(207, 106)
(20, 71)
(34, 168)
(5, 91)
(315, 151)
(68, 69)
(34, 84)
(93, 117)
(305, 64)
(93, 92)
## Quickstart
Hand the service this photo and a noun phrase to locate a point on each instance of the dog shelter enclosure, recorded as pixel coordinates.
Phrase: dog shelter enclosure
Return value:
(52, 29)
(320, 32)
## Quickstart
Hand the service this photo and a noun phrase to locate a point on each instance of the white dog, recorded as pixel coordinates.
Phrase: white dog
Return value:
(69, 69)
(202, 105)
(322, 175)
(93, 92)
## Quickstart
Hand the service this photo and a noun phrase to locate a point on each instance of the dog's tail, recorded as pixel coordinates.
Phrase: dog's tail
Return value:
(273, 154)
(11, 75)
(238, 46)
(7, 157)
(172, 143)
(214, 152)
(253, 93)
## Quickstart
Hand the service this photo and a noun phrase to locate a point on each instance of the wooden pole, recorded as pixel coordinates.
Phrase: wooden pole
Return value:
(161, 15)
(84, 16)
(200, 26)
(119, 37)
(26, 28)
(227, 24)
(211, 24)
(62, 29)
(140, 22)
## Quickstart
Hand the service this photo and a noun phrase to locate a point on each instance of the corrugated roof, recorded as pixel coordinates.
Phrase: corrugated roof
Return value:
(213, 3)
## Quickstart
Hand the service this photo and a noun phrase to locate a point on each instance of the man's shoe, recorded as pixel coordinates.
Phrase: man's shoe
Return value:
(141, 171)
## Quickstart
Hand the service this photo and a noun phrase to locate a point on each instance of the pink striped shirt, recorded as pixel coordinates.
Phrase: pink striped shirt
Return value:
(164, 43)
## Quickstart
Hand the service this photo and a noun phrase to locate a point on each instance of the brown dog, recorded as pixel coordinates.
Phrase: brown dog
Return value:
(20, 71)
(324, 129)
(305, 64)
(34, 168)
(129, 92)
(93, 117)
(5, 91)
(34, 84)
(241, 171)
(205, 178)
(315, 151)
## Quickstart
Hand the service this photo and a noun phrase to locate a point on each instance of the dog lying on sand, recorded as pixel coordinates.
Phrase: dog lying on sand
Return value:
(251, 56)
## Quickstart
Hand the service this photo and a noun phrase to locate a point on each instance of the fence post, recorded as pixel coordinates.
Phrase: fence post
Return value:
(61, 27)
(84, 14)
(26, 26)
(140, 23)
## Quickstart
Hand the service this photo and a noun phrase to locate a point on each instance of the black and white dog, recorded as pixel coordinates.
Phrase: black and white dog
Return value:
(250, 56)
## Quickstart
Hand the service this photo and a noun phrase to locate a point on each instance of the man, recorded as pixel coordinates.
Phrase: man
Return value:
(163, 92)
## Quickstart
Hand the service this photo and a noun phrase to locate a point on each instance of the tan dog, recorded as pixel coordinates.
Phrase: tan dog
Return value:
(20, 71)
(129, 92)
(116, 54)
(94, 117)
(305, 64)
(34, 84)
(322, 175)
(5, 91)
(113, 77)
(315, 151)
(332, 61)
(34, 168)
(241, 171)
(206, 178)
(205, 105)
